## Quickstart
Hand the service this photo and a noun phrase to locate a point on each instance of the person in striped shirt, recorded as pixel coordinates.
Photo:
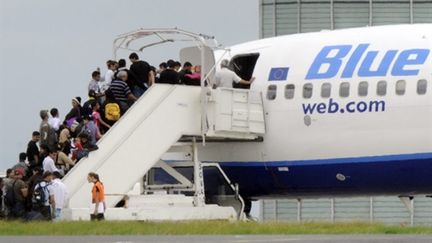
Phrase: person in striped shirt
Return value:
(121, 91)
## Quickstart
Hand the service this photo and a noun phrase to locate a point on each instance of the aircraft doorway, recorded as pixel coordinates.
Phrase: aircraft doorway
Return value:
(244, 65)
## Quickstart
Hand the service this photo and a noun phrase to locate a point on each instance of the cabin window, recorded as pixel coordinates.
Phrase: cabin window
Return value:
(307, 90)
(344, 89)
(382, 88)
(289, 91)
(326, 90)
(271, 92)
(400, 87)
(421, 86)
(363, 88)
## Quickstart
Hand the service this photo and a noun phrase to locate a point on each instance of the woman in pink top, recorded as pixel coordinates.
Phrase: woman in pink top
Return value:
(97, 118)
(196, 75)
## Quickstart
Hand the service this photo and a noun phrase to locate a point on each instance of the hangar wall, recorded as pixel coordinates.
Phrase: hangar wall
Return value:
(281, 17)
(388, 210)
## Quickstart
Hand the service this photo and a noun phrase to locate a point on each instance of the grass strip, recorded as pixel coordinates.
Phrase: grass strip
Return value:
(201, 228)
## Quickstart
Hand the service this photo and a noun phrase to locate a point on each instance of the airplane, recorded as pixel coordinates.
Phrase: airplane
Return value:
(346, 112)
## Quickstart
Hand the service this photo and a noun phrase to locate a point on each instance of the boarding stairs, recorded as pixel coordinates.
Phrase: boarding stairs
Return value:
(152, 127)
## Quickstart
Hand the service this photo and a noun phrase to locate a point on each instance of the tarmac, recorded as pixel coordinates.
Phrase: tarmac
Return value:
(228, 239)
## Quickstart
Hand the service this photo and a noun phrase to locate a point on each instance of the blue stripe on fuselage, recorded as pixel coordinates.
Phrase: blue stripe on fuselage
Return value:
(406, 174)
(381, 158)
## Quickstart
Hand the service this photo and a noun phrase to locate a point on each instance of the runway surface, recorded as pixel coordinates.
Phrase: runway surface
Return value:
(229, 239)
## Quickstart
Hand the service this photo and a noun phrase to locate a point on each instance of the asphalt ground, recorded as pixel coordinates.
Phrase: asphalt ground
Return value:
(217, 239)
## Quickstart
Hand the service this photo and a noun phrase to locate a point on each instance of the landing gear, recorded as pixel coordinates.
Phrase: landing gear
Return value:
(247, 208)
(409, 204)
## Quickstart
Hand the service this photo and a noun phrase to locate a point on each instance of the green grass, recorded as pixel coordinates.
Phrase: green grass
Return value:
(201, 228)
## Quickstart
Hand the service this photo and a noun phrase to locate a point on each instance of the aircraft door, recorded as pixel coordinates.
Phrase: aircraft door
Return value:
(243, 65)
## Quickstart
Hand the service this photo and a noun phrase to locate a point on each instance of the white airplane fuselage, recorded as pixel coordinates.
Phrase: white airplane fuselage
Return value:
(368, 140)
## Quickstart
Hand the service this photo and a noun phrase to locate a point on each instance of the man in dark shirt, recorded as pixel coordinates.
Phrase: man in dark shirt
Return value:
(187, 69)
(177, 66)
(20, 191)
(33, 150)
(137, 88)
(142, 72)
(22, 165)
(170, 75)
(48, 134)
(122, 92)
(86, 108)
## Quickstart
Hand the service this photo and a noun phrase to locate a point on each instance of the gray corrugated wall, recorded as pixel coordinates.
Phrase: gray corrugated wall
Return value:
(422, 12)
(286, 18)
(347, 209)
(423, 211)
(388, 210)
(281, 17)
(384, 13)
(348, 15)
(267, 18)
(314, 16)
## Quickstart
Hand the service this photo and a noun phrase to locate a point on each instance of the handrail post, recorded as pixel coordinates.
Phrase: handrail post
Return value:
(199, 199)
(203, 94)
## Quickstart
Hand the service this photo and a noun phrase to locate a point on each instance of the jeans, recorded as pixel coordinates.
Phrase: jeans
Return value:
(57, 214)
(137, 91)
(46, 212)
(123, 107)
(17, 211)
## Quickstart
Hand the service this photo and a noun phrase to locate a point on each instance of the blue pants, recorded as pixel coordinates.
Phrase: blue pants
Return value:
(137, 91)
(17, 211)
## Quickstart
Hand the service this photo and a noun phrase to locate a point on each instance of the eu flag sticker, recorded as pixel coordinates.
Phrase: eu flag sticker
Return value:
(278, 74)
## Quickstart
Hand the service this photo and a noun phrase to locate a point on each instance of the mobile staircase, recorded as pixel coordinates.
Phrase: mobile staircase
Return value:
(133, 150)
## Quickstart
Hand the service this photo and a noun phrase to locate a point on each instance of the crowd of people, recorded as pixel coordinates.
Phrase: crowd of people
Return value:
(33, 188)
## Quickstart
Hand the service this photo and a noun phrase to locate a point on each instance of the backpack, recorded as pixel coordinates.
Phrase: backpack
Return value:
(112, 112)
(9, 198)
(39, 196)
(87, 107)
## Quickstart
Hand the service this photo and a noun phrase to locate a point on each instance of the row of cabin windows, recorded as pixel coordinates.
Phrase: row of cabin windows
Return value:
(344, 89)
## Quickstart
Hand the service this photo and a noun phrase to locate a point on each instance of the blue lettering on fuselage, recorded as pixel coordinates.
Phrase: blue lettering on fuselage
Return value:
(331, 59)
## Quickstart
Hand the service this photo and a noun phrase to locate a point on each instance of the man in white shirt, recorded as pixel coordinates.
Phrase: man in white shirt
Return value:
(94, 83)
(54, 121)
(109, 75)
(225, 77)
(48, 163)
(60, 195)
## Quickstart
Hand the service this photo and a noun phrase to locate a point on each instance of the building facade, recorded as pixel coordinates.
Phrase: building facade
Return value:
(282, 17)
